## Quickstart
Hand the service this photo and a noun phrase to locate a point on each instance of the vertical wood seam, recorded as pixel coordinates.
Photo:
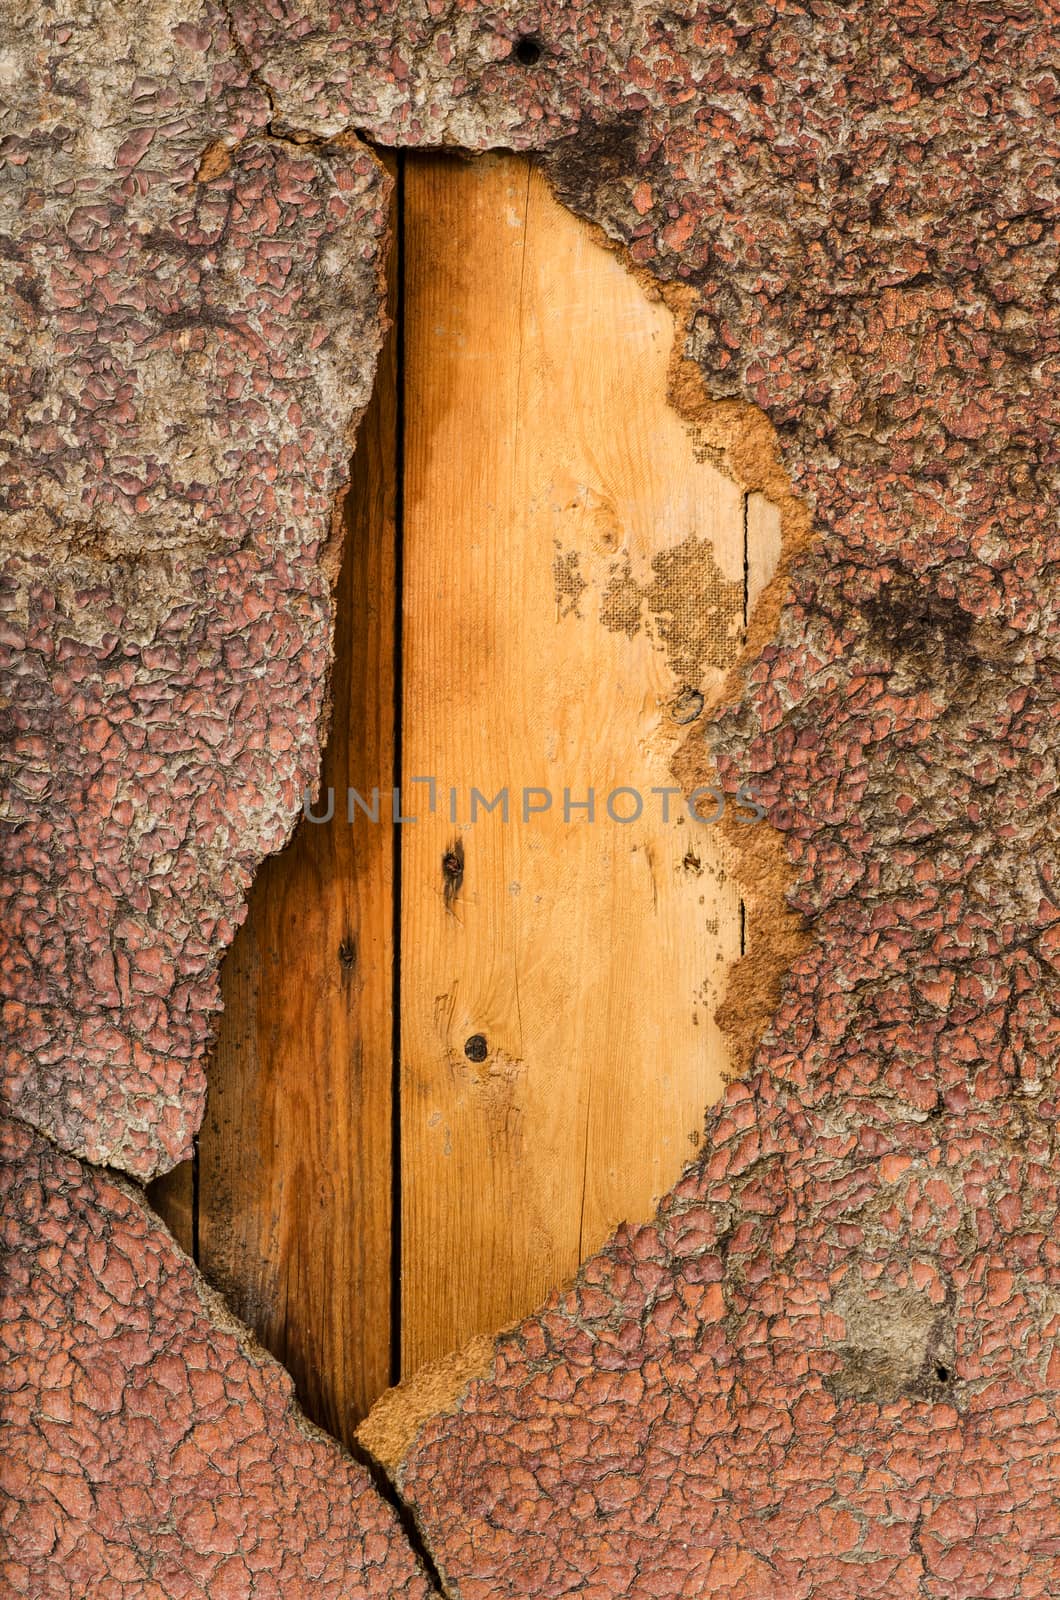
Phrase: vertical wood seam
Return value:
(746, 619)
(398, 246)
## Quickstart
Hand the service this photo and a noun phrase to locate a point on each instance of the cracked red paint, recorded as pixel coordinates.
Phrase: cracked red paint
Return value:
(831, 1368)
(184, 362)
(150, 1448)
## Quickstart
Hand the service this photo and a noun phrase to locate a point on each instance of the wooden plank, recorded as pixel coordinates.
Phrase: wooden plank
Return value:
(573, 580)
(295, 1171)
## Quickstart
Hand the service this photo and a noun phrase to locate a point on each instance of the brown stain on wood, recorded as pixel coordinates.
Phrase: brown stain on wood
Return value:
(689, 608)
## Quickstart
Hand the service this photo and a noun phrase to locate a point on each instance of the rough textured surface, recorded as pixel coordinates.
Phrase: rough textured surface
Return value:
(830, 1369)
(832, 1366)
(183, 357)
(150, 1448)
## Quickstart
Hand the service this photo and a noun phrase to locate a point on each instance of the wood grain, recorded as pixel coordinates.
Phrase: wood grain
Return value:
(295, 1162)
(573, 579)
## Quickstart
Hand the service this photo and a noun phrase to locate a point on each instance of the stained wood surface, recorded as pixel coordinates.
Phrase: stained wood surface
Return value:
(563, 548)
(574, 579)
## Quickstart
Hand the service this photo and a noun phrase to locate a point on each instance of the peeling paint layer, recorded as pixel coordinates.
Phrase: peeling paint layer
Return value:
(184, 356)
(151, 1449)
(830, 1368)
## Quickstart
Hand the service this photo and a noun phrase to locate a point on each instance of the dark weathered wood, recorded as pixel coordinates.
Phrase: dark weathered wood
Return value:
(295, 1166)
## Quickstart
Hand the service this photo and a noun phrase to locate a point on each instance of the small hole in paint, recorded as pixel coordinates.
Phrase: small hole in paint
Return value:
(528, 51)
(943, 1374)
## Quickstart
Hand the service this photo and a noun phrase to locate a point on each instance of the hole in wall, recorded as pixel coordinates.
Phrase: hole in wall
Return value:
(528, 50)
(456, 1053)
